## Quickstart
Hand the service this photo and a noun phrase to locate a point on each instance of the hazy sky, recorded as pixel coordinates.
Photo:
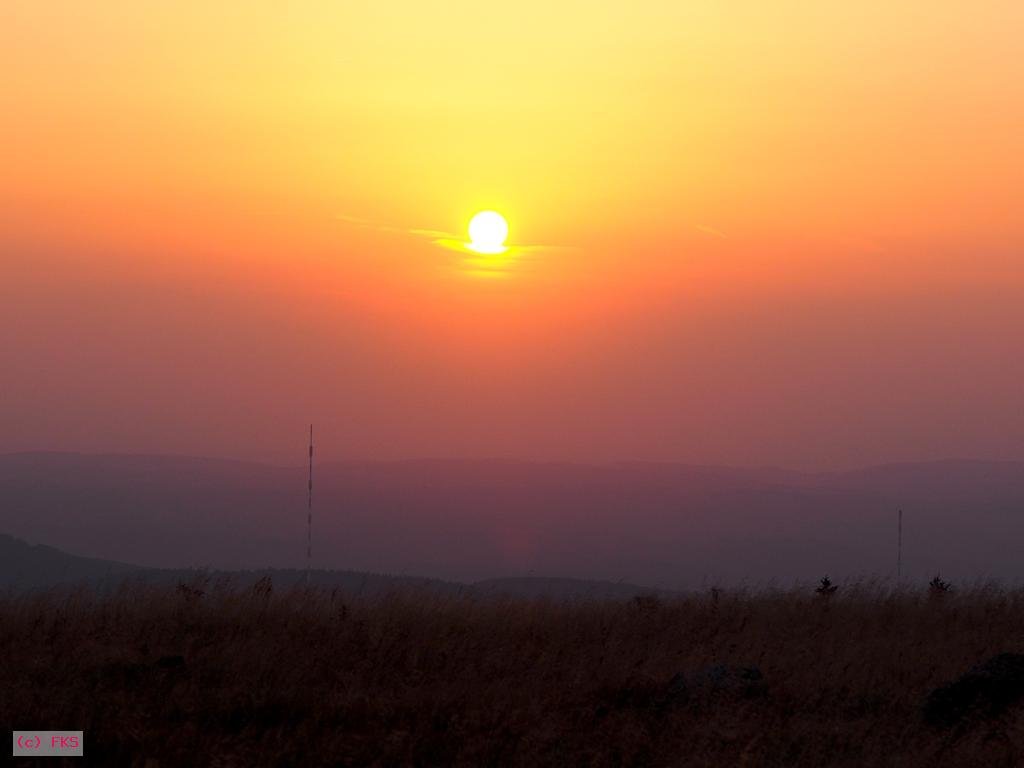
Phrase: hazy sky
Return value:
(780, 233)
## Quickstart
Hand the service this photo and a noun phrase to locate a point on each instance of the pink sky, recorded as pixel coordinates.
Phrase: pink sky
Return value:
(791, 237)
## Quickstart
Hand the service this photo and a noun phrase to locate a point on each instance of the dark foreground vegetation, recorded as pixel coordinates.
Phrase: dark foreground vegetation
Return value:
(211, 675)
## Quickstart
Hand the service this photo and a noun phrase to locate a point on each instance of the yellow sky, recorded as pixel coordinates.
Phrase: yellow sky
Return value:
(580, 120)
(650, 154)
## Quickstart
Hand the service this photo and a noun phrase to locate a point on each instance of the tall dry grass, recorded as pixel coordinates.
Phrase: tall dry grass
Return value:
(209, 675)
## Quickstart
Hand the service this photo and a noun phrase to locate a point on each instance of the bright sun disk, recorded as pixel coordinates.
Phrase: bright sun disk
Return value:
(487, 232)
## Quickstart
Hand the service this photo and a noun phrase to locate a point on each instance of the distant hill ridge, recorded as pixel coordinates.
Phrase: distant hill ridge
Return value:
(25, 566)
(661, 525)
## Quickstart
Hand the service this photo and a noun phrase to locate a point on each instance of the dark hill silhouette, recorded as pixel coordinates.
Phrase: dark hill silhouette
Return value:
(660, 525)
(25, 566)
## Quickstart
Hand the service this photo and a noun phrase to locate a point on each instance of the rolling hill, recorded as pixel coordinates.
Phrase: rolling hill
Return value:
(659, 525)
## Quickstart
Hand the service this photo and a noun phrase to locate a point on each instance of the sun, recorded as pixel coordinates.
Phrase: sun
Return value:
(487, 232)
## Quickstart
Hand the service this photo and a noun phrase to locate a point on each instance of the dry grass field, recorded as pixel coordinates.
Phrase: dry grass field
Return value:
(211, 675)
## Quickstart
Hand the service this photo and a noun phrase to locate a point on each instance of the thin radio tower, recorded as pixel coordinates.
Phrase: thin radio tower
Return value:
(309, 509)
(899, 546)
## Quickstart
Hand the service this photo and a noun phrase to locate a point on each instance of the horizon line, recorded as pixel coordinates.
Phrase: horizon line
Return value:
(513, 459)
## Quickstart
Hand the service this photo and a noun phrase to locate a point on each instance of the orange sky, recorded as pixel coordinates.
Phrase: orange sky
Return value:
(743, 232)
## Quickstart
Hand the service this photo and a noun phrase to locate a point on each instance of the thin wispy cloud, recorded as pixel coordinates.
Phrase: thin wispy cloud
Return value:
(430, 233)
(445, 239)
(711, 231)
(367, 224)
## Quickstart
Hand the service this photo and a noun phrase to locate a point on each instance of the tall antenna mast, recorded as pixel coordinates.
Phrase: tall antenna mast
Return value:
(899, 546)
(309, 509)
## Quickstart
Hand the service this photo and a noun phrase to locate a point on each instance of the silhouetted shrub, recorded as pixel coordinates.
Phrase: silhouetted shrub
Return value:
(826, 588)
(263, 587)
(189, 592)
(646, 603)
(987, 690)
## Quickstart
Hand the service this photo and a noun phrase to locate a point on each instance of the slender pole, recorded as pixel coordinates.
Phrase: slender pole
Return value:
(309, 509)
(899, 546)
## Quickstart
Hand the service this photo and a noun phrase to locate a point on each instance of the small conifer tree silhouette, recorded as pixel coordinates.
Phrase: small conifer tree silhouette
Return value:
(825, 587)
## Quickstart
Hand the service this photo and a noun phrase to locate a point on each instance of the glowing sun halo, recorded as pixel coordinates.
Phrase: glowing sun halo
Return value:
(487, 232)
